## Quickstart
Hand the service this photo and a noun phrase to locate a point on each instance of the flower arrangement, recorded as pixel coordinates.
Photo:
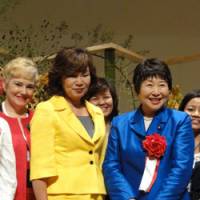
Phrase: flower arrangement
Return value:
(175, 97)
(155, 145)
(40, 92)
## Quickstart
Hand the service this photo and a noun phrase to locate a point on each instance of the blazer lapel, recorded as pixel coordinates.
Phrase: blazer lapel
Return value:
(157, 125)
(98, 119)
(65, 113)
(137, 123)
(158, 122)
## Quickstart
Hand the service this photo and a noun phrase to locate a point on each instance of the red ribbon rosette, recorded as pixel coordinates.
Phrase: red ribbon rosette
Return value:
(155, 145)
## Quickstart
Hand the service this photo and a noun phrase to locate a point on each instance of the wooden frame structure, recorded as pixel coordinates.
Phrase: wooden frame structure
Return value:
(110, 51)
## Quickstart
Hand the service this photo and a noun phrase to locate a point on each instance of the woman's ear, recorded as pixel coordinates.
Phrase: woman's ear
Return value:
(3, 84)
(2, 87)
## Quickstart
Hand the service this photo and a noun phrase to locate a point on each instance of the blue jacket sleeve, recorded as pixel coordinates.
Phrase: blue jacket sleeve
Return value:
(182, 155)
(116, 184)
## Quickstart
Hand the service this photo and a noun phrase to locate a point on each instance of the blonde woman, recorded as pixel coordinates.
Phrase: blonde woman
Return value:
(19, 79)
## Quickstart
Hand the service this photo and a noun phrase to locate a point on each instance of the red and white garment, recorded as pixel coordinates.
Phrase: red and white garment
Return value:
(8, 180)
(150, 170)
(20, 137)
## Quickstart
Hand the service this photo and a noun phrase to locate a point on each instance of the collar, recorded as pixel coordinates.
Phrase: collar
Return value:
(63, 109)
(61, 104)
(157, 124)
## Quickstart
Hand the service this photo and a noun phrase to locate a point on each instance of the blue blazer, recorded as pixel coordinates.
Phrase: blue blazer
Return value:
(125, 157)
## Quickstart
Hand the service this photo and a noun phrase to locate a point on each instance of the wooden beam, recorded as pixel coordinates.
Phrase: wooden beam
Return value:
(183, 59)
(120, 51)
(41, 58)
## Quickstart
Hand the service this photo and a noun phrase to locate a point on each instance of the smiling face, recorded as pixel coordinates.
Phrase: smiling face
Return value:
(193, 109)
(153, 94)
(103, 100)
(76, 86)
(19, 92)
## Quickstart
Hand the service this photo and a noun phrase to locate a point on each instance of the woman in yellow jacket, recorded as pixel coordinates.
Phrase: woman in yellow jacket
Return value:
(68, 134)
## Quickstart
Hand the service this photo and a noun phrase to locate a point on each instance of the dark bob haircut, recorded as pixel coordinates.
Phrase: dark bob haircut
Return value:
(102, 85)
(68, 62)
(151, 68)
(189, 96)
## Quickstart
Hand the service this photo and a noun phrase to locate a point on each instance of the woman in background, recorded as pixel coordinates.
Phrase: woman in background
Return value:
(19, 80)
(68, 133)
(103, 95)
(150, 150)
(191, 105)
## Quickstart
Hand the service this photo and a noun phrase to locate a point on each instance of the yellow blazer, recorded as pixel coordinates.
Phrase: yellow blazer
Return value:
(63, 152)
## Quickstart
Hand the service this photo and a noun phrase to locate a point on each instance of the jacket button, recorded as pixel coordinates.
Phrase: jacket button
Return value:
(91, 152)
(91, 162)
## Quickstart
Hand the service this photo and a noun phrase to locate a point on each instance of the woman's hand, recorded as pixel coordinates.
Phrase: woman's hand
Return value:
(40, 189)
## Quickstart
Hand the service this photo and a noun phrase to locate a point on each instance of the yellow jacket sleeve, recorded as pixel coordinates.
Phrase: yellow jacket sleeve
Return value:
(43, 163)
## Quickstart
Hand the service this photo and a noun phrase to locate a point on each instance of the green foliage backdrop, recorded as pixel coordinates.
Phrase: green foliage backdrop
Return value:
(48, 38)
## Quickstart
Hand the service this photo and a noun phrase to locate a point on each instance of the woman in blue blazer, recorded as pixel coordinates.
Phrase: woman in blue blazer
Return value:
(150, 150)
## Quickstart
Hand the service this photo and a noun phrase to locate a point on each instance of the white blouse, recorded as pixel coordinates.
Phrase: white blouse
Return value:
(8, 181)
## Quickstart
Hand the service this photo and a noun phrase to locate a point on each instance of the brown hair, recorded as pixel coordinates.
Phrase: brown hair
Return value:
(68, 62)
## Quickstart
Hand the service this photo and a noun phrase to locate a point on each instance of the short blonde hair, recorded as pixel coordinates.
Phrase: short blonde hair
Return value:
(21, 67)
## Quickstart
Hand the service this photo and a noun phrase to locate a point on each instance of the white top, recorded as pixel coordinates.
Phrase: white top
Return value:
(8, 181)
(147, 122)
(196, 158)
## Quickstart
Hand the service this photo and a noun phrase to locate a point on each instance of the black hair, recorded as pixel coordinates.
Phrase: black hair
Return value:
(101, 85)
(188, 97)
(151, 68)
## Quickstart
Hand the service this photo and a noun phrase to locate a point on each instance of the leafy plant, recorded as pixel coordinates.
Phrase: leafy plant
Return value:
(43, 41)
(33, 42)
